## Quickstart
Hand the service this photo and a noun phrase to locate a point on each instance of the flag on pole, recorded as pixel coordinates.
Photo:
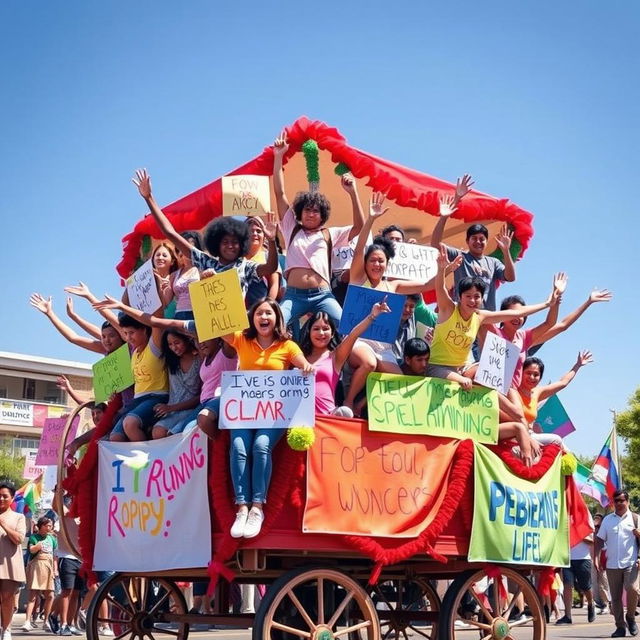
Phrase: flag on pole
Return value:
(606, 469)
(553, 418)
(27, 496)
(589, 486)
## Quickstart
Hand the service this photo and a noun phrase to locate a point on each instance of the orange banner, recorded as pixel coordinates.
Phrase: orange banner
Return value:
(374, 484)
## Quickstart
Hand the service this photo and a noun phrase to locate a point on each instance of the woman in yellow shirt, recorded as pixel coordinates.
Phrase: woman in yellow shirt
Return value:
(264, 345)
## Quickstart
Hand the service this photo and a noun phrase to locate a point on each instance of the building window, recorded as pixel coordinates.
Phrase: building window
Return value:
(28, 389)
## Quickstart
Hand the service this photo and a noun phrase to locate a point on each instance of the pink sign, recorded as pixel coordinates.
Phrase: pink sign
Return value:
(31, 469)
(51, 438)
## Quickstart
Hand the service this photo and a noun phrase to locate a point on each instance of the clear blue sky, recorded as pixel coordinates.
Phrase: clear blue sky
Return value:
(538, 100)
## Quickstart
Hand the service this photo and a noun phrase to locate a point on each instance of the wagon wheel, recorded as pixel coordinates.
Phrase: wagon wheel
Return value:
(475, 602)
(134, 607)
(318, 604)
(403, 606)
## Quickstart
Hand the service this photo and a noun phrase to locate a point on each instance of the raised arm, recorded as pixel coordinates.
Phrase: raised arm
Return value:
(349, 185)
(63, 383)
(143, 182)
(584, 357)
(448, 205)
(45, 306)
(494, 317)
(92, 329)
(280, 148)
(357, 273)
(559, 287)
(443, 300)
(344, 349)
(82, 290)
(271, 265)
(503, 239)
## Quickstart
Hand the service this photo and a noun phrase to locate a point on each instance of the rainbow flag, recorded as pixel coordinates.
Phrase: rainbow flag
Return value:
(606, 468)
(552, 418)
(589, 486)
(27, 496)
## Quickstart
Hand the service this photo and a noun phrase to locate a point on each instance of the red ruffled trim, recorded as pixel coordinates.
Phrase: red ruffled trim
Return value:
(407, 187)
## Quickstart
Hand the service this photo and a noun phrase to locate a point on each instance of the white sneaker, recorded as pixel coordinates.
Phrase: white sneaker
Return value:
(75, 631)
(27, 626)
(237, 529)
(254, 523)
(104, 630)
(6, 634)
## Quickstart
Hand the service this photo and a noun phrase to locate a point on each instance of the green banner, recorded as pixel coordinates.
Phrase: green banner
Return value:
(112, 373)
(517, 521)
(431, 406)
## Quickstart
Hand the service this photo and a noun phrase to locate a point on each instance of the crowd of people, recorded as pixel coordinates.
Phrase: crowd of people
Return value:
(294, 302)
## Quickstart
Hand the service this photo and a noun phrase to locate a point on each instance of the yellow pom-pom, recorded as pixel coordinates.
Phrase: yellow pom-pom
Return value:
(301, 438)
(569, 464)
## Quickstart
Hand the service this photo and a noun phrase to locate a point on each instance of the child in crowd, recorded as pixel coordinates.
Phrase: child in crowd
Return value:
(415, 357)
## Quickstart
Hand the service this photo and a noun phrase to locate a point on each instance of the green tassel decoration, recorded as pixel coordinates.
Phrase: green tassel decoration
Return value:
(312, 160)
(145, 250)
(341, 169)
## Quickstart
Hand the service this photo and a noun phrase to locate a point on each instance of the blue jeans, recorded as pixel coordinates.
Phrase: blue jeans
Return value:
(298, 302)
(142, 408)
(250, 456)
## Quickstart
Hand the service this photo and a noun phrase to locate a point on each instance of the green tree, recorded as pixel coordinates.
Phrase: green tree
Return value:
(628, 425)
(11, 467)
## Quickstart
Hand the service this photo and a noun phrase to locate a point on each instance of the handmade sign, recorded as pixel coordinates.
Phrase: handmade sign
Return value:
(412, 262)
(31, 469)
(373, 484)
(497, 364)
(218, 305)
(142, 289)
(343, 255)
(517, 521)
(112, 374)
(357, 306)
(552, 418)
(431, 406)
(245, 195)
(51, 439)
(267, 400)
(145, 491)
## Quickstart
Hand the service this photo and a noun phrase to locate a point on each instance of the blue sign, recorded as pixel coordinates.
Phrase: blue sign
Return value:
(357, 306)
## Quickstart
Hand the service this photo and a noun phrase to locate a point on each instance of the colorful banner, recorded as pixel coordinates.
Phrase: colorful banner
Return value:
(245, 195)
(18, 413)
(357, 306)
(373, 484)
(218, 305)
(552, 417)
(51, 439)
(413, 262)
(497, 364)
(31, 469)
(142, 289)
(152, 511)
(516, 521)
(431, 406)
(112, 373)
(267, 400)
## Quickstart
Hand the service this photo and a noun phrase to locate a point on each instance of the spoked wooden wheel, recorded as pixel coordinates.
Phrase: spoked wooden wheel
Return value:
(319, 604)
(135, 607)
(503, 607)
(407, 606)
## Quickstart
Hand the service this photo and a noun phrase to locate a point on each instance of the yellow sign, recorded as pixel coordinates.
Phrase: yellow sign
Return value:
(218, 305)
(245, 195)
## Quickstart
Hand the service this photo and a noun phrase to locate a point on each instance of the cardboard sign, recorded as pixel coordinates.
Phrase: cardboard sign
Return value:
(267, 400)
(431, 406)
(112, 374)
(515, 520)
(31, 469)
(218, 305)
(357, 306)
(413, 262)
(142, 289)
(343, 255)
(369, 484)
(553, 418)
(498, 362)
(245, 195)
(51, 439)
(152, 510)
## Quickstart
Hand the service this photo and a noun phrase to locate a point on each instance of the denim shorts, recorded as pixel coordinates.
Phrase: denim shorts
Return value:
(213, 404)
(142, 408)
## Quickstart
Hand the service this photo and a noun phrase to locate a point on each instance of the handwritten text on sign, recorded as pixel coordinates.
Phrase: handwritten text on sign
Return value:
(412, 262)
(245, 195)
(144, 489)
(431, 406)
(498, 362)
(51, 439)
(343, 255)
(112, 373)
(142, 289)
(31, 469)
(516, 520)
(218, 305)
(267, 400)
(372, 483)
(357, 306)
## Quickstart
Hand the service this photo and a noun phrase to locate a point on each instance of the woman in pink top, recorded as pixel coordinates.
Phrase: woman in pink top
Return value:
(320, 345)
(180, 280)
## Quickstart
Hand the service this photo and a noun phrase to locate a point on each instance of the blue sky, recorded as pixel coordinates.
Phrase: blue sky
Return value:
(538, 101)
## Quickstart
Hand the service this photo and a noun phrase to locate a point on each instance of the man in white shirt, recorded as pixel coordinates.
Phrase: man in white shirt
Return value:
(620, 532)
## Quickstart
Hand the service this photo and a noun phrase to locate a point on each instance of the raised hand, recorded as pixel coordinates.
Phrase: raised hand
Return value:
(584, 357)
(600, 296)
(443, 258)
(463, 186)
(452, 266)
(348, 183)
(109, 302)
(380, 307)
(448, 205)
(281, 146)
(142, 180)
(270, 226)
(504, 238)
(375, 205)
(560, 281)
(44, 305)
(62, 382)
(80, 290)
(69, 306)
